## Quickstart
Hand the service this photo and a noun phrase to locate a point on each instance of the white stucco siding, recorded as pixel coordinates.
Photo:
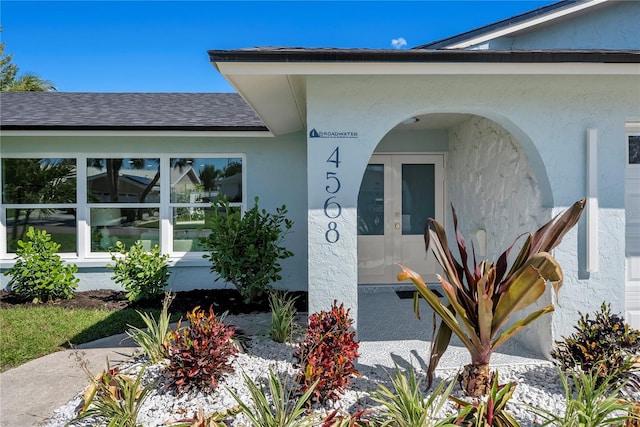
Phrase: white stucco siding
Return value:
(614, 26)
(413, 141)
(491, 185)
(494, 190)
(547, 116)
(585, 292)
(275, 172)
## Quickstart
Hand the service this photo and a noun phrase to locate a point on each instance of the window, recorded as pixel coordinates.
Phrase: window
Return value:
(123, 196)
(159, 200)
(40, 192)
(634, 149)
(195, 184)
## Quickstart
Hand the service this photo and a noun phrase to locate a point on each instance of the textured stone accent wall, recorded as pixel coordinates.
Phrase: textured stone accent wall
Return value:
(491, 184)
(493, 188)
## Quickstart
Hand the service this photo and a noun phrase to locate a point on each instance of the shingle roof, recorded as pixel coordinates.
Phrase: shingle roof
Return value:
(126, 111)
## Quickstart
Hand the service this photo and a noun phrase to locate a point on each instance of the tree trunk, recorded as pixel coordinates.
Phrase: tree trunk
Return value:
(476, 379)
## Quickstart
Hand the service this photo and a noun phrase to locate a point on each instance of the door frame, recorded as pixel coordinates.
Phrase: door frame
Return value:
(392, 246)
(632, 260)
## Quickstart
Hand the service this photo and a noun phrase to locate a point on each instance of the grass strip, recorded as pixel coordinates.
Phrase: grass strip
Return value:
(29, 333)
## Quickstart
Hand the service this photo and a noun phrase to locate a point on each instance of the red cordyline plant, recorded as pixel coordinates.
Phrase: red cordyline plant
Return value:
(200, 353)
(327, 353)
(482, 298)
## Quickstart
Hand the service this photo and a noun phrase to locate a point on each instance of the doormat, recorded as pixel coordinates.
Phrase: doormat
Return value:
(409, 294)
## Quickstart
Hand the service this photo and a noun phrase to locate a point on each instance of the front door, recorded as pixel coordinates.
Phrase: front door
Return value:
(399, 192)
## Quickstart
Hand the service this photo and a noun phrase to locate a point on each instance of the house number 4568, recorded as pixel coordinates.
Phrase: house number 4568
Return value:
(332, 208)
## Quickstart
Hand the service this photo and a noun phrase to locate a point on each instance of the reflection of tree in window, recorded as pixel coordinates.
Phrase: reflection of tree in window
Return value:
(208, 176)
(37, 181)
(114, 178)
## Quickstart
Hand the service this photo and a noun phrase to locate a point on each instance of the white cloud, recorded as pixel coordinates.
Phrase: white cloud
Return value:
(398, 43)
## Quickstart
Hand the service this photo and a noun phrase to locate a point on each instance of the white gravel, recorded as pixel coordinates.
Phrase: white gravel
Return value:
(537, 384)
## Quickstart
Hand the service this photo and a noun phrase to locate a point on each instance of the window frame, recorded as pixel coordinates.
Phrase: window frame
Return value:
(631, 130)
(6, 206)
(83, 253)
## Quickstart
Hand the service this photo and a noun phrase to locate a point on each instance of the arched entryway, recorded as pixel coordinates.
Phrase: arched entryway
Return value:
(466, 160)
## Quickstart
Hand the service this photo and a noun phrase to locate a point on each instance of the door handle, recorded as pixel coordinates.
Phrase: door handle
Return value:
(397, 226)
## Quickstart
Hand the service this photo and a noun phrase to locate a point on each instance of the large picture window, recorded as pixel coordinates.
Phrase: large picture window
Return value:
(40, 192)
(158, 200)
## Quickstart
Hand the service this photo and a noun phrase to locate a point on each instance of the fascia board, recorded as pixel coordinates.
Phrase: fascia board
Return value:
(231, 69)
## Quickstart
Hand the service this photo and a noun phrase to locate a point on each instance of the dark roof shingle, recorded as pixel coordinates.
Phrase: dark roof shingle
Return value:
(126, 111)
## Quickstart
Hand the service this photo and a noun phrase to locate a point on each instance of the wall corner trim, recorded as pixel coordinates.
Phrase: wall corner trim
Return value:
(592, 200)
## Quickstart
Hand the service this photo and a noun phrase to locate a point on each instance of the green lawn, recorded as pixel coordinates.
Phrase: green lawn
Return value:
(28, 333)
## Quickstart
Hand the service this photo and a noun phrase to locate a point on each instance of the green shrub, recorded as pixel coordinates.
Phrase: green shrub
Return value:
(143, 274)
(279, 408)
(591, 400)
(39, 272)
(407, 406)
(245, 249)
(154, 341)
(489, 411)
(200, 353)
(113, 396)
(327, 353)
(605, 342)
(283, 314)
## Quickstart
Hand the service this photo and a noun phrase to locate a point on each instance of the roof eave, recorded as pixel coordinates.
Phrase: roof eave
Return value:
(141, 128)
(423, 56)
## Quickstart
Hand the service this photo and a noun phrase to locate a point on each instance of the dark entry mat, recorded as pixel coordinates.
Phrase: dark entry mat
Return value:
(409, 294)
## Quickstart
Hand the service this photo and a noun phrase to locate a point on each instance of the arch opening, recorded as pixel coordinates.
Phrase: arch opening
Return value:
(487, 174)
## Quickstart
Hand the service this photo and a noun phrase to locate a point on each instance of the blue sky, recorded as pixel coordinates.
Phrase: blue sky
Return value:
(161, 46)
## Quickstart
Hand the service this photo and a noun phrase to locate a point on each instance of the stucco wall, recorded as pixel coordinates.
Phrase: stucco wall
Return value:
(495, 192)
(547, 115)
(412, 141)
(275, 172)
(610, 26)
(491, 184)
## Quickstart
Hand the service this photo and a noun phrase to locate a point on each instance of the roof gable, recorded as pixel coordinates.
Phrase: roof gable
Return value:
(569, 24)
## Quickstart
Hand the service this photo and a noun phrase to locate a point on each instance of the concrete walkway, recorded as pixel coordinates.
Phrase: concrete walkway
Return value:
(388, 332)
(31, 392)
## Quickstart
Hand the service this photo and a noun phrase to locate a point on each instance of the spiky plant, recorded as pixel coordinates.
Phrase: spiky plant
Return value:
(481, 299)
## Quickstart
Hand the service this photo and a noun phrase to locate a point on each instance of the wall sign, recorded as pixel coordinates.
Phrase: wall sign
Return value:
(332, 134)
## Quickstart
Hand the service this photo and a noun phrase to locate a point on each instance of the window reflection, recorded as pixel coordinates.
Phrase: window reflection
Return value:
(203, 180)
(123, 180)
(110, 225)
(60, 223)
(418, 200)
(196, 183)
(371, 202)
(38, 181)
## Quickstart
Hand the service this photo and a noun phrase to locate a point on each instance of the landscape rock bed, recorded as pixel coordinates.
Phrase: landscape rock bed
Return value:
(538, 385)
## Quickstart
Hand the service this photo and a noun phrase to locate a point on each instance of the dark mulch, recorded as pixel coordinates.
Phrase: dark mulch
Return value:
(221, 299)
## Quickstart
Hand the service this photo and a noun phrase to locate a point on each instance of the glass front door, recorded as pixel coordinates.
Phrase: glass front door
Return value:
(399, 192)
